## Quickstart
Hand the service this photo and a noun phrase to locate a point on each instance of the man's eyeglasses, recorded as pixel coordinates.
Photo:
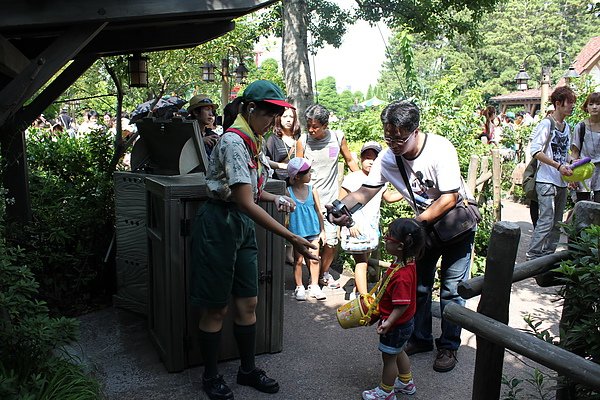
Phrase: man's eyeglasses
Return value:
(398, 140)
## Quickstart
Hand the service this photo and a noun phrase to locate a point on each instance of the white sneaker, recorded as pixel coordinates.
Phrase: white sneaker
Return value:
(300, 293)
(404, 388)
(378, 394)
(316, 292)
(328, 280)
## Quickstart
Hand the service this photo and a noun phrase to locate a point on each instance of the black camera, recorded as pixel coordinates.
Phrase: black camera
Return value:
(339, 209)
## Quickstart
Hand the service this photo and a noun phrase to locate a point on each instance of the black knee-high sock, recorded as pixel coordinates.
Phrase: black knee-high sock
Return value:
(245, 336)
(209, 348)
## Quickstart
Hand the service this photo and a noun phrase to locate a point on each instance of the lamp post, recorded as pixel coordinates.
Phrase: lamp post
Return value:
(522, 77)
(239, 75)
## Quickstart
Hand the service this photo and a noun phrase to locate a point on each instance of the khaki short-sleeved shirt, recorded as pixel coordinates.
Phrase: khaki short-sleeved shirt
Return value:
(230, 164)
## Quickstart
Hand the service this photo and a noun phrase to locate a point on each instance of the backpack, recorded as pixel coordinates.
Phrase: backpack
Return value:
(530, 172)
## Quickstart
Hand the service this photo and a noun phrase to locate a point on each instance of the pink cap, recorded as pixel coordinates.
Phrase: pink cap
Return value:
(297, 165)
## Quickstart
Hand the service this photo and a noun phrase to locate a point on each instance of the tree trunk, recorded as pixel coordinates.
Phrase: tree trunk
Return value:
(120, 145)
(294, 48)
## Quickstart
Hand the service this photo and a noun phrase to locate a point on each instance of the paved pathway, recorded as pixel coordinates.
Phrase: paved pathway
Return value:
(319, 359)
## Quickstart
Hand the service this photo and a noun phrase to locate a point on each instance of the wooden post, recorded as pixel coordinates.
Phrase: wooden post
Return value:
(497, 183)
(495, 299)
(485, 168)
(472, 174)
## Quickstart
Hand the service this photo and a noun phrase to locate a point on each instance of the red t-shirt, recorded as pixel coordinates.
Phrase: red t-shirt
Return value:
(401, 290)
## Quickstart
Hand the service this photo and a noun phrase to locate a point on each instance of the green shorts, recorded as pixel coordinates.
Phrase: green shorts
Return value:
(224, 255)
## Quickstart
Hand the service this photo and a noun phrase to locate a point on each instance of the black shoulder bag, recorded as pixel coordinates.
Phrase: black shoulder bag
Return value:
(455, 224)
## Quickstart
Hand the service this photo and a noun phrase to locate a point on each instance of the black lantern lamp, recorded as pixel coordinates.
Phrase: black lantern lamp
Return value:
(138, 71)
(522, 78)
(208, 72)
(241, 73)
(570, 74)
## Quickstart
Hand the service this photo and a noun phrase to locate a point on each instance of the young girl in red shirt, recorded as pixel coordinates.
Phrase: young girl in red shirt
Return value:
(406, 241)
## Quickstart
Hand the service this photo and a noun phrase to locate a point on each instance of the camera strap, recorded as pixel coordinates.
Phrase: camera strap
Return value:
(400, 163)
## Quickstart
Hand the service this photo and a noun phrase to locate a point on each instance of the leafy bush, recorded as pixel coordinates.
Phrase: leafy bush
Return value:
(579, 329)
(580, 279)
(29, 369)
(72, 205)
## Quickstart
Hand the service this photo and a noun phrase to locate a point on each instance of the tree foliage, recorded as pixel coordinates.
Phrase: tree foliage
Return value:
(505, 36)
(430, 18)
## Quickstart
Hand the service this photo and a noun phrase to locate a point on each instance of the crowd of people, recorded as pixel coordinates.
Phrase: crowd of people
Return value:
(259, 138)
(308, 162)
(240, 163)
(65, 124)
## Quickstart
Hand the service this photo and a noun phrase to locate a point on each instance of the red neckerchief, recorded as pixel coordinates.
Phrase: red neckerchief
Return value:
(253, 156)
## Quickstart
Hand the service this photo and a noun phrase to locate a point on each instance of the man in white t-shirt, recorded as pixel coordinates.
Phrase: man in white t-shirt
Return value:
(552, 159)
(431, 164)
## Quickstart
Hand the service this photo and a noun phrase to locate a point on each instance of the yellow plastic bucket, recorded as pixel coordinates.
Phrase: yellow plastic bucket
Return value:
(355, 313)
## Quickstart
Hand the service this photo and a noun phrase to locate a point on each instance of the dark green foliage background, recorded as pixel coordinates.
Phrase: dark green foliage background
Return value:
(73, 211)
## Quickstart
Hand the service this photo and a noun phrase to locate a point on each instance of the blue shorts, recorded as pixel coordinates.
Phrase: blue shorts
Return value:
(395, 340)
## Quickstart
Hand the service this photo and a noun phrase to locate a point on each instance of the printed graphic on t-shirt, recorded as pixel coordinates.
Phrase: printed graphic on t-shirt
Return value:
(421, 187)
(560, 146)
(333, 151)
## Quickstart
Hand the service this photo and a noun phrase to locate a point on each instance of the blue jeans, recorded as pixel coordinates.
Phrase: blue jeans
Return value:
(552, 201)
(455, 268)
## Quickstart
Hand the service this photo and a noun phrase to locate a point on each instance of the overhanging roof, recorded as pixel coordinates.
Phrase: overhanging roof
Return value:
(39, 37)
(29, 27)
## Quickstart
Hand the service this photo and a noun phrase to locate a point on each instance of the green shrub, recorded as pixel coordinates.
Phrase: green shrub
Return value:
(580, 322)
(29, 339)
(72, 204)
(580, 276)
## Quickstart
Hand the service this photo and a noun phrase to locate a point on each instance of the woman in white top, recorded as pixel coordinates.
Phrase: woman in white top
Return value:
(586, 143)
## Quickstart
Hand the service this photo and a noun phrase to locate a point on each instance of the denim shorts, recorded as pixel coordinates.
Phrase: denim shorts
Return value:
(311, 238)
(395, 340)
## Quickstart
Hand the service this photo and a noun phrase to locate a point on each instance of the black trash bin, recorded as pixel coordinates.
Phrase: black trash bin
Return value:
(172, 202)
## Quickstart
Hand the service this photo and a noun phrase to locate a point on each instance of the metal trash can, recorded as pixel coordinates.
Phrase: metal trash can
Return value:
(172, 202)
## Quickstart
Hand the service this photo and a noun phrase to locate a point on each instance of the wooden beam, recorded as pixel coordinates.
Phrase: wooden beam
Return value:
(12, 61)
(43, 68)
(61, 83)
(145, 39)
(472, 287)
(14, 174)
(26, 14)
(558, 359)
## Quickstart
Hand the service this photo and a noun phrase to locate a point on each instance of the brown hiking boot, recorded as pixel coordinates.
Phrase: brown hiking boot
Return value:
(445, 360)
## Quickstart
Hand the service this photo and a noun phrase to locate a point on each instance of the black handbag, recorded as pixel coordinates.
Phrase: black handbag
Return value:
(456, 223)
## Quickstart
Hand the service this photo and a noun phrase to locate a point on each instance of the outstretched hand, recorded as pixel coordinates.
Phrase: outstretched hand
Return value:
(304, 247)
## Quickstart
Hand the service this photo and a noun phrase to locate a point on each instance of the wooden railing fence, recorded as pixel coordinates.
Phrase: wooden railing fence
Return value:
(490, 321)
